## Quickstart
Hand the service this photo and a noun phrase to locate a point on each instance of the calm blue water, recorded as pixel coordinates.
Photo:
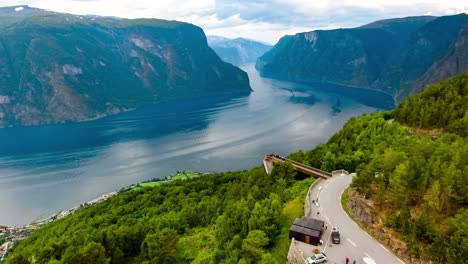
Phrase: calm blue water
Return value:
(44, 169)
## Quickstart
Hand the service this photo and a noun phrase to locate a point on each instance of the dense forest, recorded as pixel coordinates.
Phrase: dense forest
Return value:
(235, 217)
(443, 105)
(413, 164)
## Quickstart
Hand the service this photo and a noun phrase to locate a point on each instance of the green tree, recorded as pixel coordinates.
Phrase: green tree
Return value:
(457, 249)
(284, 170)
(266, 216)
(94, 253)
(329, 162)
(160, 247)
(267, 258)
(253, 246)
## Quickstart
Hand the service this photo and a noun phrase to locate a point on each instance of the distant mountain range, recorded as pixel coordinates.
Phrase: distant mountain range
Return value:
(59, 67)
(239, 51)
(398, 56)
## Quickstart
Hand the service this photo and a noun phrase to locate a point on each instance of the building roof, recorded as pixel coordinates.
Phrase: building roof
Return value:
(305, 231)
(309, 223)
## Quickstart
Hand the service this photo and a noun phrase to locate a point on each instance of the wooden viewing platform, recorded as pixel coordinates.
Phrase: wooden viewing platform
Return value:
(270, 159)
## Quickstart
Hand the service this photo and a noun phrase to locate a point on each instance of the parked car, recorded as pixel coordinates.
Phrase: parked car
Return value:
(335, 235)
(317, 258)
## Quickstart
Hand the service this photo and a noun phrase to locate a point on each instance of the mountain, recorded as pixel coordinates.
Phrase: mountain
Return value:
(397, 56)
(59, 67)
(239, 51)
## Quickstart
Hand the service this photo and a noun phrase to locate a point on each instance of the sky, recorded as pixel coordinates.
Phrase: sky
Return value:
(262, 20)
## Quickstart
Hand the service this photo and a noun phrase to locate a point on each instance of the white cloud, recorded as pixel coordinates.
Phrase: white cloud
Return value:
(265, 20)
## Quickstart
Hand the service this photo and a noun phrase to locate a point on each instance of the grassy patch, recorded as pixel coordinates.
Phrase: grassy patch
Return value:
(196, 246)
(185, 175)
(291, 210)
(299, 189)
(344, 201)
(149, 184)
(179, 176)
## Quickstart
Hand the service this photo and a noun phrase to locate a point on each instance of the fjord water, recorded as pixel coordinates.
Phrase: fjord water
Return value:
(44, 169)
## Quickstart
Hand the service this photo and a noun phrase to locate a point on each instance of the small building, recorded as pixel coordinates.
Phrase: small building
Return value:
(307, 230)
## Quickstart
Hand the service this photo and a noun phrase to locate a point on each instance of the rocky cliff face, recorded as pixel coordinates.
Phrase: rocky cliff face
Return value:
(239, 51)
(397, 56)
(371, 220)
(59, 67)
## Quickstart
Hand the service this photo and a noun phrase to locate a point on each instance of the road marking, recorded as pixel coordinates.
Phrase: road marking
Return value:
(350, 241)
(323, 214)
(368, 260)
(384, 247)
(320, 188)
(326, 244)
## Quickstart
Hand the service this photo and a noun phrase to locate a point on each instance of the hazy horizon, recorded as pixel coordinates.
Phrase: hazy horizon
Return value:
(265, 21)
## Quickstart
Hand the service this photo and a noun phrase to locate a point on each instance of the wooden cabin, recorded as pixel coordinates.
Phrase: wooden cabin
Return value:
(307, 230)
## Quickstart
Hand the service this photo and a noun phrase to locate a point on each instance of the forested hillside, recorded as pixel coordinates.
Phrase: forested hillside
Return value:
(443, 105)
(238, 217)
(415, 177)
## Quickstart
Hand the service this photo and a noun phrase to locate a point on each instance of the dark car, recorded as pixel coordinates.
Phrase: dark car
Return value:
(335, 235)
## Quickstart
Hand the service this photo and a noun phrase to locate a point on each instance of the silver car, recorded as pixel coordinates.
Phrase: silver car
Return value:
(317, 258)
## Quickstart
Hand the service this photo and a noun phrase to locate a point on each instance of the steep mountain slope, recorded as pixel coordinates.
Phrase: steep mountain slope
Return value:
(59, 67)
(443, 105)
(239, 51)
(429, 55)
(397, 56)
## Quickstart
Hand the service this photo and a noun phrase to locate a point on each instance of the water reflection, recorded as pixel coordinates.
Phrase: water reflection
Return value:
(47, 168)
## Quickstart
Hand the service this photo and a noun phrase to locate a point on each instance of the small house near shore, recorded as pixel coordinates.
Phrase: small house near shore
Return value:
(307, 230)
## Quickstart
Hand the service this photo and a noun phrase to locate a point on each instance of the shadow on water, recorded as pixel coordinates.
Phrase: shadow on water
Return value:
(365, 96)
(298, 97)
(308, 100)
(336, 107)
(149, 121)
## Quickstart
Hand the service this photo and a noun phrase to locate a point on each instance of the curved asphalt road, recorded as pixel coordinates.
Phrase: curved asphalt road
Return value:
(355, 242)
